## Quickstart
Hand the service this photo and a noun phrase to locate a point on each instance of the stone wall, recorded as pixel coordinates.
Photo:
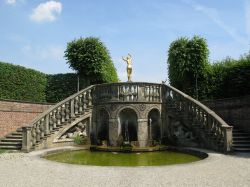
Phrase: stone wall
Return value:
(15, 114)
(235, 111)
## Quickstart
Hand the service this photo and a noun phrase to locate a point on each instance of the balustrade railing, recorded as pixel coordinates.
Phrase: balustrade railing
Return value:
(128, 92)
(80, 103)
(52, 119)
(217, 129)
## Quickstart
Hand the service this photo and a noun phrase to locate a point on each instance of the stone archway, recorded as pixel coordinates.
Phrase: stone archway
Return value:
(103, 126)
(154, 125)
(128, 123)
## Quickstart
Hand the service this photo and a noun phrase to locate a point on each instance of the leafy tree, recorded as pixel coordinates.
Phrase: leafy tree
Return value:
(188, 65)
(91, 59)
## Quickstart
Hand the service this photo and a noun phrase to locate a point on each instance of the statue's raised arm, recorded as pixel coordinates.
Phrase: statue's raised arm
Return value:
(128, 60)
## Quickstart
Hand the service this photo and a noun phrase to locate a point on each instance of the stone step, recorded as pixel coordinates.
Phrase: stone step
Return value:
(241, 145)
(241, 137)
(17, 133)
(19, 130)
(241, 142)
(10, 143)
(241, 134)
(242, 149)
(11, 140)
(11, 147)
(14, 136)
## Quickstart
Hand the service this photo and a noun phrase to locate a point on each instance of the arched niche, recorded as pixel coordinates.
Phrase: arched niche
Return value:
(154, 127)
(103, 125)
(128, 124)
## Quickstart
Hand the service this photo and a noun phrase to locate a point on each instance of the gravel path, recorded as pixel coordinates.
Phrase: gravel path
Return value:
(24, 170)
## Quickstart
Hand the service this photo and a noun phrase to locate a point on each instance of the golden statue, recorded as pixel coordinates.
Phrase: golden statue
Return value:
(128, 60)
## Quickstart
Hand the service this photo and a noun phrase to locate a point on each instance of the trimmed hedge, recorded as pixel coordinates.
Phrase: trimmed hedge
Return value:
(230, 78)
(60, 86)
(20, 83)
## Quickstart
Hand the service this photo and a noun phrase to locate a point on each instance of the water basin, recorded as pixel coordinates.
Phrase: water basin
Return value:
(86, 157)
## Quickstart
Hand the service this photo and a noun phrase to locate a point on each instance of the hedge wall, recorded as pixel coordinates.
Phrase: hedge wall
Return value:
(230, 78)
(19, 83)
(60, 86)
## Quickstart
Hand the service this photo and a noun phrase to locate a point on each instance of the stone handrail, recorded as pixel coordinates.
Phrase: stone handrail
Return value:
(128, 92)
(55, 117)
(216, 128)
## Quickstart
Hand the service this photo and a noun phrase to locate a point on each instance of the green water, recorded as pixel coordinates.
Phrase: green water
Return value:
(85, 157)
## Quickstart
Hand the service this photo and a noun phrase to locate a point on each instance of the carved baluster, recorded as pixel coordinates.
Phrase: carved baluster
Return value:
(147, 93)
(38, 132)
(155, 93)
(46, 125)
(72, 108)
(51, 123)
(67, 111)
(41, 127)
(54, 119)
(151, 98)
(58, 116)
(84, 102)
(131, 93)
(76, 105)
(63, 113)
(80, 104)
(126, 93)
(137, 92)
(89, 98)
(33, 135)
(206, 121)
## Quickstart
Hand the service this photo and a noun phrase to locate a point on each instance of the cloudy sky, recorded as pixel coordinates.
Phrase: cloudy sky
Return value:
(34, 33)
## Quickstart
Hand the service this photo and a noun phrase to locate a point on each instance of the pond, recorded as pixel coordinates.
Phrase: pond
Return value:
(86, 157)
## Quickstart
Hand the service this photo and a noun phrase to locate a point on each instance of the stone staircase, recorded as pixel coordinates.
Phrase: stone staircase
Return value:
(12, 141)
(45, 128)
(212, 131)
(241, 140)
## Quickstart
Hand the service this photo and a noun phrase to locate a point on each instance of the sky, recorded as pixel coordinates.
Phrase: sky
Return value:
(35, 33)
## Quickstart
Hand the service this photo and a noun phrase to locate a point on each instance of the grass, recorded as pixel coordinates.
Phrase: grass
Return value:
(2, 151)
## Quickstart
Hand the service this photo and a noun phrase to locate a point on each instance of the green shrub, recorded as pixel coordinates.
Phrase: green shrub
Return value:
(80, 140)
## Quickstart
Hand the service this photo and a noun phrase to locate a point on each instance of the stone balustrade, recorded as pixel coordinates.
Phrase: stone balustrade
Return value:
(57, 116)
(216, 129)
(78, 104)
(128, 92)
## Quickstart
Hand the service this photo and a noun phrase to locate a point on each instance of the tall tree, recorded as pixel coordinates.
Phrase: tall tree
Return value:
(188, 65)
(90, 59)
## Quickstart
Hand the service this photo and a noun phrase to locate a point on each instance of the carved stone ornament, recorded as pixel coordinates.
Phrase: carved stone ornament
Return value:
(113, 107)
(78, 129)
(142, 107)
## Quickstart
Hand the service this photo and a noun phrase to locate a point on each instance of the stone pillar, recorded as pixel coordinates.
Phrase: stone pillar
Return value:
(113, 132)
(142, 132)
(227, 130)
(26, 141)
